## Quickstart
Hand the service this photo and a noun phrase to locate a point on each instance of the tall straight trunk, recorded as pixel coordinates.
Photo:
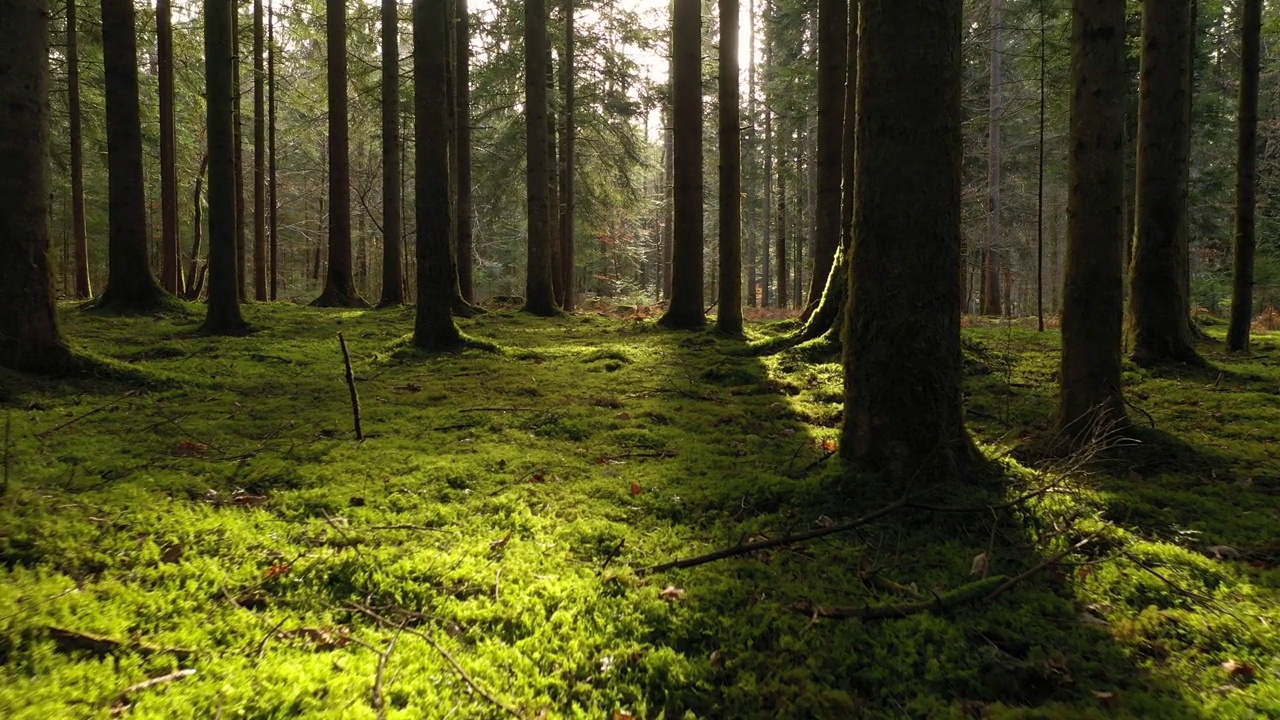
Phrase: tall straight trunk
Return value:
(539, 290)
(462, 152)
(274, 216)
(392, 223)
(339, 287)
(259, 159)
(783, 294)
(729, 317)
(194, 273)
(1090, 402)
(130, 285)
(766, 246)
(686, 308)
(833, 31)
(1246, 177)
(992, 255)
(83, 287)
(553, 187)
(170, 252)
(568, 163)
(750, 219)
(242, 277)
(1044, 71)
(806, 167)
(434, 328)
(223, 316)
(903, 410)
(29, 335)
(1159, 306)
(668, 207)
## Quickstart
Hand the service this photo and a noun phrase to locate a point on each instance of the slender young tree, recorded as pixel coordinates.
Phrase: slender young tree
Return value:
(223, 317)
(464, 250)
(539, 288)
(903, 410)
(339, 287)
(783, 275)
(392, 226)
(1090, 402)
(1159, 307)
(170, 251)
(1246, 177)
(242, 267)
(553, 187)
(833, 31)
(685, 311)
(29, 335)
(434, 328)
(83, 287)
(729, 317)
(130, 285)
(260, 291)
(751, 220)
(992, 303)
(272, 169)
(568, 151)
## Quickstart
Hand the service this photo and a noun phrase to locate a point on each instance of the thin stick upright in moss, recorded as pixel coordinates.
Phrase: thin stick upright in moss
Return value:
(351, 384)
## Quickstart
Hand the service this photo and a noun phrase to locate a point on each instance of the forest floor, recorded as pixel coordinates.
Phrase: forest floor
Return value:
(483, 552)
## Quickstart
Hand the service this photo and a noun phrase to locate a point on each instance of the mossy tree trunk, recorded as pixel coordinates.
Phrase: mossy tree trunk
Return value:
(685, 310)
(1246, 178)
(539, 288)
(1090, 403)
(434, 328)
(1159, 306)
(223, 316)
(833, 32)
(902, 361)
(29, 336)
(392, 227)
(729, 316)
(339, 287)
(130, 286)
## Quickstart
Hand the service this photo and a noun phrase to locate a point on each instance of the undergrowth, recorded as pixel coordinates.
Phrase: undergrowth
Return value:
(507, 499)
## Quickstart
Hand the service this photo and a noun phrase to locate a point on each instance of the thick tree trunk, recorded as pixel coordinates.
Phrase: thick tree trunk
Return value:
(392, 223)
(83, 287)
(568, 163)
(833, 31)
(1246, 178)
(259, 159)
(29, 336)
(130, 285)
(462, 152)
(729, 315)
(274, 216)
(434, 328)
(1159, 307)
(539, 290)
(1090, 403)
(903, 410)
(685, 310)
(223, 316)
(170, 252)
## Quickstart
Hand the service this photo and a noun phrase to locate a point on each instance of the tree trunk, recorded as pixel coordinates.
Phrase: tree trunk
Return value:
(83, 287)
(392, 223)
(685, 310)
(242, 277)
(259, 159)
(783, 294)
(1159, 307)
(1246, 178)
(553, 187)
(539, 290)
(833, 32)
(729, 316)
(668, 205)
(274, 217)
(192, 291)
(766, 248)
(903, 410)
(223, 316)
(568, 164)
(170, 251)
(1090, 403)
(29, 335)
(130, 285)
(992, 304)
(434, 328)
(462, 153)
(750, 220)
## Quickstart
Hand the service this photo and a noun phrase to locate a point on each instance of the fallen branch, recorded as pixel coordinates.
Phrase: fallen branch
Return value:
(123, 703)
(78, 418)
(351, 384)
(962, 595)
(377, 699)
(102, 646)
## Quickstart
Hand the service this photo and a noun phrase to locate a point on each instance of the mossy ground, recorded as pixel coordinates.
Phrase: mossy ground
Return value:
(501, 504)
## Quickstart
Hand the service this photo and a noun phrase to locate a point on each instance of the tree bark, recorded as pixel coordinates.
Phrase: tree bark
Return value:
(553, 186)
(685, 310)
(729, 315)
(751, 220)
(392, 223)
(223, 317)
(833, 32)
(903, 410)
(539, 290)
(259, 159)
(992, 304)
(83, 286)
(434, 328)
(130, 285)
(1090, 403)
(242, 276)
(462, 154)
(1246, 177)
(192, 291)
(766, 246)
(272, 174)
(1159, 307)
(29, 335)
(568, 163)
(170, 251)
(783, 275)
(339, 287)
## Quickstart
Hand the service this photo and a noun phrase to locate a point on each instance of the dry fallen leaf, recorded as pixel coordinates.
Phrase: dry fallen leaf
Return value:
(497, 545)
(636, 489)
(173, 553)
(1240, 670)
(671, 592)
(189, 447)
(623, 716)
(829, 446)
(278, 569)
(980, 564)
(1105, 697)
